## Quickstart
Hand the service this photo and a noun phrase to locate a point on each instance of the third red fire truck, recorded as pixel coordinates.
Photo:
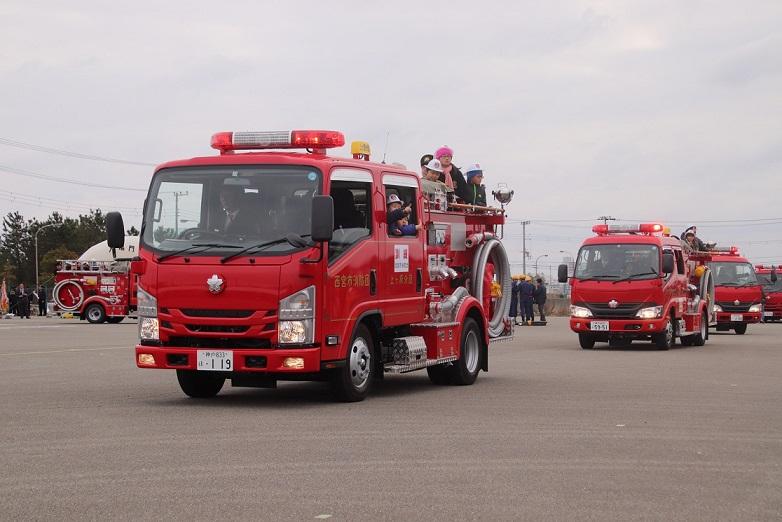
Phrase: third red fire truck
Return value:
(635, 282)
(280, 265)
(772, 291)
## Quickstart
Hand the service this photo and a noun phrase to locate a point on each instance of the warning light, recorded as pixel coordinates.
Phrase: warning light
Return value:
(297, 139)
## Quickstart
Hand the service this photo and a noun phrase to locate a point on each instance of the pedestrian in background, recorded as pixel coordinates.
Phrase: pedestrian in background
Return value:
(42, 311)
(527, 295)
(540, 299)
(514, 298)
(24, 303)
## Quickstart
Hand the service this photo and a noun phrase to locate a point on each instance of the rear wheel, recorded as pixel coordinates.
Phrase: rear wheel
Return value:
(740, 329)
(664, 340)
(95, 313)
(200, 385)
(352, 382)
(699, 339)
(465, 370)
(586, 341)
(439, 374)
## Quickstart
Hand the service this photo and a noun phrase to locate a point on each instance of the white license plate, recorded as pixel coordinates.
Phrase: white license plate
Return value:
(215, 360)
(768, 314)
(598, 326)
(736, 317)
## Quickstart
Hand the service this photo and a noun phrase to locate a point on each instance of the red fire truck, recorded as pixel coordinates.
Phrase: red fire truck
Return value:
(98, 291)
(266, 265)
(772, 290)
(634, 282)
(738, 298)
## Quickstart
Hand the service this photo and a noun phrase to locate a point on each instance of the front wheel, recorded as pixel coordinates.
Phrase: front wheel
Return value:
(200, 385)
(95, 313)
(665, 339)
(740, 329)
(586, 341)
(352, 382)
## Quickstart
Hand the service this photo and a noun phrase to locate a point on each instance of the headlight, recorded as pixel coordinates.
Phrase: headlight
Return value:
(146, 305)
(717, 308)
(580, 311)
(295, 332)
(652, 312)
(297, 318)
(148, 329)
(756, 308)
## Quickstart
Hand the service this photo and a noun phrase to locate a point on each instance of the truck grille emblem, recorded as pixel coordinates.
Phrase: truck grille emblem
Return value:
(736, 302)
(215, 284)
(613, 303)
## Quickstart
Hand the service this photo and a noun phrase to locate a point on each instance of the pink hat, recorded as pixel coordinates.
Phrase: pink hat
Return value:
(445, 150)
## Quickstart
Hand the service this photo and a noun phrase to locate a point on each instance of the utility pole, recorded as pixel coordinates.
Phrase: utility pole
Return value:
(524, 246)
(176, 211)
(606, 219)
(36, 250)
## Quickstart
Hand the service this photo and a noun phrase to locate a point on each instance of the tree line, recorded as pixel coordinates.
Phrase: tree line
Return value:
(59, 237)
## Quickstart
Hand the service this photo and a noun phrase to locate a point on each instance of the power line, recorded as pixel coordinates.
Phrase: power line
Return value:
(29, 174)
(40, 201)
(70, 154)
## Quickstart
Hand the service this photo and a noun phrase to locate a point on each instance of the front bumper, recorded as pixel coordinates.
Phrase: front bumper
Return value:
(772, 314)
(738, 317)
(244, 360)
(625, 327)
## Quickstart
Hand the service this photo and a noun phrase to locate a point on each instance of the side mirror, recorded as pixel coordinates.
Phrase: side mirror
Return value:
(562, 273)
(115, 230)
(322, 218)
(668, 263)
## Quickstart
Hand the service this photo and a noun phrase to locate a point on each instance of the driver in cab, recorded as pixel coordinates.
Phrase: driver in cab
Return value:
(238, 220)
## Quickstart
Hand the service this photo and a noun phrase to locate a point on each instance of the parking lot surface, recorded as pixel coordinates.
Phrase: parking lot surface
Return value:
(551, 432)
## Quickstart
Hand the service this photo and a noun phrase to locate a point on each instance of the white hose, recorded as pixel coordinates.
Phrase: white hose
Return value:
(493, 247)
(448, 305)
(77, 302)
(706, 292)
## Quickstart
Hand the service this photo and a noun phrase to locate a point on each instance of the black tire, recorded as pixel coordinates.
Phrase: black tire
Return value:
(687, 340)
(665, 340)
(465, 370)
(95, 313)
(586, 341)
(740, 328)
(352, 382)
(439, 374)
(200, 385)
(115, 320)
(699, 339)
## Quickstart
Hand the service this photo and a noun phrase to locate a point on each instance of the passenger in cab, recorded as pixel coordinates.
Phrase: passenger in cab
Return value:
(237, 220)
(476, 193)
(395, 214)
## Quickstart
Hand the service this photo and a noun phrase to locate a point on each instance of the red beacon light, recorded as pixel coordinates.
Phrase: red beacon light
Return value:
(226, 142)
(645, 228)
(768, 267)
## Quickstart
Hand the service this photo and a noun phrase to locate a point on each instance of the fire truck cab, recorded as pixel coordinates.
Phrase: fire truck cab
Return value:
(738, 294)
(634, 282)
(772, 291)
(274, 265)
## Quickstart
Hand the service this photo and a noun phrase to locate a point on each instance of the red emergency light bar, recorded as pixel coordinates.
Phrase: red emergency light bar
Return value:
(298, 139)
(768, 267)
(645, 228)
(732, 251)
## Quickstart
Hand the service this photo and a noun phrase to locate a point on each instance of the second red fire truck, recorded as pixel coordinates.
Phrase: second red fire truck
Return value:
(738, 297)
(269, 265)
(635, 282)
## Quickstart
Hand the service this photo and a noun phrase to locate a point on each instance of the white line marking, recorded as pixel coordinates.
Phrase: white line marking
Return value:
(69, 350)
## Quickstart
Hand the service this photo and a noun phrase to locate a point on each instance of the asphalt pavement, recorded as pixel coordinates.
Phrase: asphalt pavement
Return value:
(551, 432)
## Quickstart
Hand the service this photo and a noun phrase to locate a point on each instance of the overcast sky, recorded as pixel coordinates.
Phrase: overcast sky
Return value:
(654, 110)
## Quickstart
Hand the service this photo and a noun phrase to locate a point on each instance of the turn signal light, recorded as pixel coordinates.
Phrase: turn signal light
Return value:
(146, 359)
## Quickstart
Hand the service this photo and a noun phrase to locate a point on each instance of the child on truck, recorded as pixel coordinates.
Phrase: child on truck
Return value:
(397, 218)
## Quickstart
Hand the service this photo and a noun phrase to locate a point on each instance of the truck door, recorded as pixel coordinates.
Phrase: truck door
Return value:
(402, 256)
(350, 286)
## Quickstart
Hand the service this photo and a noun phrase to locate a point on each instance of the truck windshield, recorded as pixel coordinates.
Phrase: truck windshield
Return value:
(768, 285)
(618, 261)
(228, 208)
(727, 273)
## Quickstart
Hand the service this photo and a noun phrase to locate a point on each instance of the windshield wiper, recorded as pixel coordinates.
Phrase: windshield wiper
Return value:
(597, 277)
(261, 245)
(633, 276)
(202, 246)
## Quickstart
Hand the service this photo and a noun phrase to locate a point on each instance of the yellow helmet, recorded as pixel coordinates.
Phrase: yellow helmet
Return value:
(699, 270)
